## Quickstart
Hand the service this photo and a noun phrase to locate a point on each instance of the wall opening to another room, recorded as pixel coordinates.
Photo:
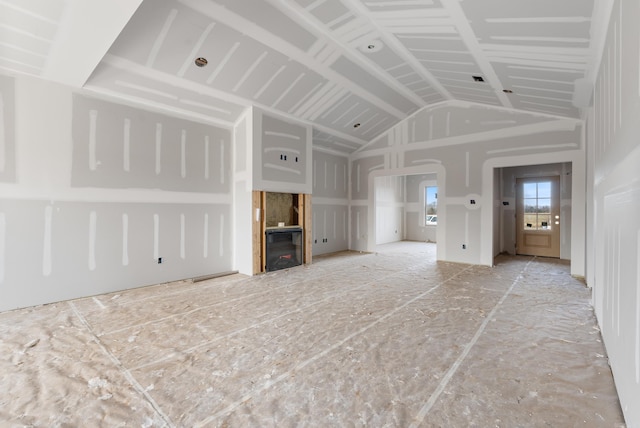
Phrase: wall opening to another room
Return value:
(402, 206)
(507, 226)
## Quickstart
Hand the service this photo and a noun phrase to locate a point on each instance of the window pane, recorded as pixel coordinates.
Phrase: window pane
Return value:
(544, 205)
(544, 189)
(530, 221)
(544, 222)
(530, 205)
(431, 200)
(431, 205)
(529, 190)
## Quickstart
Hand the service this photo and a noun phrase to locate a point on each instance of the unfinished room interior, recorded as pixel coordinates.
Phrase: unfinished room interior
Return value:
(321, 213)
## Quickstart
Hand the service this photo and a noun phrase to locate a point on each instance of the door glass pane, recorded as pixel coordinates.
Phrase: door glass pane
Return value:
(530, 221)
(544, 206)
(529, 190)
(544, 222)
(530, 205)
(544, 189)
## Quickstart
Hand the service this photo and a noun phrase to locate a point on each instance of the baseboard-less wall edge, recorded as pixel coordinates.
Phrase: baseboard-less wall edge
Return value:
(213, 276)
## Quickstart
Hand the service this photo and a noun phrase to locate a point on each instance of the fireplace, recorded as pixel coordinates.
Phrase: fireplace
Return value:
(284, 247)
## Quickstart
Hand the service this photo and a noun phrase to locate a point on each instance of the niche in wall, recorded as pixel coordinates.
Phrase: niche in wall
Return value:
(281, 208)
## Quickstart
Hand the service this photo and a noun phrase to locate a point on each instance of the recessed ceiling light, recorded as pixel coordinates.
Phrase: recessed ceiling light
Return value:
(201, 62)
(478, 78)
(507, 91)
(356, 125)
(371, 46)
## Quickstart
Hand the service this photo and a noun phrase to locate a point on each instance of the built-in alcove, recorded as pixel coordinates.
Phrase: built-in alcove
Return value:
(281, 218)
(281, 209)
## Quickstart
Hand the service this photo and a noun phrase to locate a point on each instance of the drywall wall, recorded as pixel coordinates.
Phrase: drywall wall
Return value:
(330, 203)
(498, 240)
(415, 227)
(508, 212)
(7, 130)
(462, 143)
(389, 194)
(243, 215)
(282, 154)
(614, 156)
(102, 191)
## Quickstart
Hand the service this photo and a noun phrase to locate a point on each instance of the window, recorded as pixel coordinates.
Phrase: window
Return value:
(537, 205)
(431, 205)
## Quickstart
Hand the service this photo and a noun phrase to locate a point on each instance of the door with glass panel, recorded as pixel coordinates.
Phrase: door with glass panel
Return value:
(538, 216)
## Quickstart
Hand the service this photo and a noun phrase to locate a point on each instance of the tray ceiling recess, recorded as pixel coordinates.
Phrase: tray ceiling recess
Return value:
(351, 68)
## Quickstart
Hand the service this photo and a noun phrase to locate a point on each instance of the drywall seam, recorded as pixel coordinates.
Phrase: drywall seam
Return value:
(499, 134)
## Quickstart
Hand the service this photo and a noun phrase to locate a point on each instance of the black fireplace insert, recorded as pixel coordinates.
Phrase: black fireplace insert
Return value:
(284, 248)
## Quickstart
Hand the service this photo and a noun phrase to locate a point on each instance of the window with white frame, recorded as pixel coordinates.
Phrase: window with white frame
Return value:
(431, 205)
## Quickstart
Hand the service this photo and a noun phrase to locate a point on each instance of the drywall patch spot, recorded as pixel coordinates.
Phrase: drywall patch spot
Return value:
(125, 240)
(3, 228)
(46, 250)
(93, 220)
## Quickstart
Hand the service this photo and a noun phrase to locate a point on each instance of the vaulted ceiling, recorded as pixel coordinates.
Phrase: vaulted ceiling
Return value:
(351, 68)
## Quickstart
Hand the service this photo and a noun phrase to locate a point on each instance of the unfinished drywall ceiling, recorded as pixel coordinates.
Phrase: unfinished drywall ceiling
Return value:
(351, 68)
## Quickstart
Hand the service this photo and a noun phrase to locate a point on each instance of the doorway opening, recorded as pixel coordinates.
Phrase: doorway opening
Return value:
(535, 210)
(406, 208)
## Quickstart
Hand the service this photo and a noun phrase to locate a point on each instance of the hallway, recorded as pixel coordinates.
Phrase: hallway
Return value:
(386, 339)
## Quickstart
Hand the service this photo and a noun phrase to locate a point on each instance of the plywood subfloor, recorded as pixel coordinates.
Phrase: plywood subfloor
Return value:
(389, 339)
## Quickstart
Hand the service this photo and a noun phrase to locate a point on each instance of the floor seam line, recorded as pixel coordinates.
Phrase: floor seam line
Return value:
(122, 369)
(454, 367)
(233, 333)
(192, 310)
(231, 407)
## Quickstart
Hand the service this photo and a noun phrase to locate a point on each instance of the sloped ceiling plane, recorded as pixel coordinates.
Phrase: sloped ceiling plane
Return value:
(350, 68)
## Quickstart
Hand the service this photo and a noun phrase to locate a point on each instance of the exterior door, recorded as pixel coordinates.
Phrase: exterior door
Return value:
(538, 216)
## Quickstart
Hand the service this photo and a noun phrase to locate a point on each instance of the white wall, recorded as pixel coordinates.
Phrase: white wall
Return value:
(243, 216)
(282, 154)
(614, 159)
(463, 144)
(330, 202)
(390, 208)
(96, 192)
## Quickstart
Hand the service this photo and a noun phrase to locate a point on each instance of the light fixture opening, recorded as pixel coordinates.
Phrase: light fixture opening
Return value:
(371, 46)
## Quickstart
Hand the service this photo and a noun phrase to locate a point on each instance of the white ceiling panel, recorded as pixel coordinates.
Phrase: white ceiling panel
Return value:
(350, 68)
